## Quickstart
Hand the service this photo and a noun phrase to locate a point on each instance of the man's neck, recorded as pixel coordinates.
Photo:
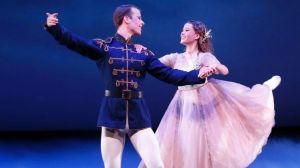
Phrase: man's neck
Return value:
(124, 33)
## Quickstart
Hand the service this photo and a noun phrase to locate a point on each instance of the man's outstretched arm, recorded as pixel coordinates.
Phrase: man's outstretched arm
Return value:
(89, 48)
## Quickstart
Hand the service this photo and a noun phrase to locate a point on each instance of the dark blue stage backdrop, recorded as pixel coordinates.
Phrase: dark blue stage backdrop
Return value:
(44, 86)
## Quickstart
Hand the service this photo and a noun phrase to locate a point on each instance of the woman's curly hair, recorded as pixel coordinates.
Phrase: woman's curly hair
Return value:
(204, 43)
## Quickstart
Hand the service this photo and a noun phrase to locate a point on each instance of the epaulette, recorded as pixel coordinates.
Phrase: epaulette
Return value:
(103, 43)
(108, 40)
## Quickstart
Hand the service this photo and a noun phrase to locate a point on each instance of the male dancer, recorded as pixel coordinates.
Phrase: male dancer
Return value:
(123, 109)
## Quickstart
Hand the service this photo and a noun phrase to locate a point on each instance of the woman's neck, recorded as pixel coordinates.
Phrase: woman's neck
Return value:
(192, 49)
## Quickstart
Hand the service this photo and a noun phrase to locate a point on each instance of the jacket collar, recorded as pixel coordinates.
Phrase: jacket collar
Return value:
(122, 39)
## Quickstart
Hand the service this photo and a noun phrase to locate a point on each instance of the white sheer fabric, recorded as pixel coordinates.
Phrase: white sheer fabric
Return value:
(219, 125)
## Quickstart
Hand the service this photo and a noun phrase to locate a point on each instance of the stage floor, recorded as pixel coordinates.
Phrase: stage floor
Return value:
(82, 150)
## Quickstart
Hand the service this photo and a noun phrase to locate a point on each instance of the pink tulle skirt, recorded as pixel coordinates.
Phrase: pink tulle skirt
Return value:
(219, 125)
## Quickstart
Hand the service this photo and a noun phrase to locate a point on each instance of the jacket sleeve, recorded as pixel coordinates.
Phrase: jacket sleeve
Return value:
(88, 48)
(173, 76)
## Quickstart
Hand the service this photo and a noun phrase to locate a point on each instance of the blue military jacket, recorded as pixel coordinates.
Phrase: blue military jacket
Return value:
(123, 69)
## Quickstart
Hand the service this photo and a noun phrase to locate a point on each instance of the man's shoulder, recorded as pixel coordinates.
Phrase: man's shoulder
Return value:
(107, 40)
(103, 43)
(144, 50)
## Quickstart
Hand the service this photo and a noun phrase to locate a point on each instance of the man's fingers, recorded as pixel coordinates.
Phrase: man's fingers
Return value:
(52, 23)
(53, 14)
(202, 76)
(52, 20)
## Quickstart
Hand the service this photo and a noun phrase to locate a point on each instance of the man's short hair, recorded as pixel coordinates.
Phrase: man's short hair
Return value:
(121, 11)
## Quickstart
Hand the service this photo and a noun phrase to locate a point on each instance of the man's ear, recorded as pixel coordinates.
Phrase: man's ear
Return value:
(126, 19)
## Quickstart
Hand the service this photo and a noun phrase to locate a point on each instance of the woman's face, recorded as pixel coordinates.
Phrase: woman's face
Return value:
(188, 34)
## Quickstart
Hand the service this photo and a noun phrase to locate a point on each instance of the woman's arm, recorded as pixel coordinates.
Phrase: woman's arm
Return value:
(219, 69)
(211, 61)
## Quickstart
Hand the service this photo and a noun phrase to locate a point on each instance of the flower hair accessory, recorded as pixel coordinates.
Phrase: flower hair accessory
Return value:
(207, 35)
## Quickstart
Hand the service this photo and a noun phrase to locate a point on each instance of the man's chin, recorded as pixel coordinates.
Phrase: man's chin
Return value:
(138, 33)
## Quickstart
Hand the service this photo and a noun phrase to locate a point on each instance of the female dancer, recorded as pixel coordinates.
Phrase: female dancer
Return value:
(219, 124)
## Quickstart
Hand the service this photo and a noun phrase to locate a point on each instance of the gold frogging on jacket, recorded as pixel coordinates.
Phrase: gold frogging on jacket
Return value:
(122, 82)
(122, 70)
(103, 43)
(111, 60)
(115, 71)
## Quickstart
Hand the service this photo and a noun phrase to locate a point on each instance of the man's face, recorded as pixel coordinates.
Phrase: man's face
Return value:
(135, 23)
